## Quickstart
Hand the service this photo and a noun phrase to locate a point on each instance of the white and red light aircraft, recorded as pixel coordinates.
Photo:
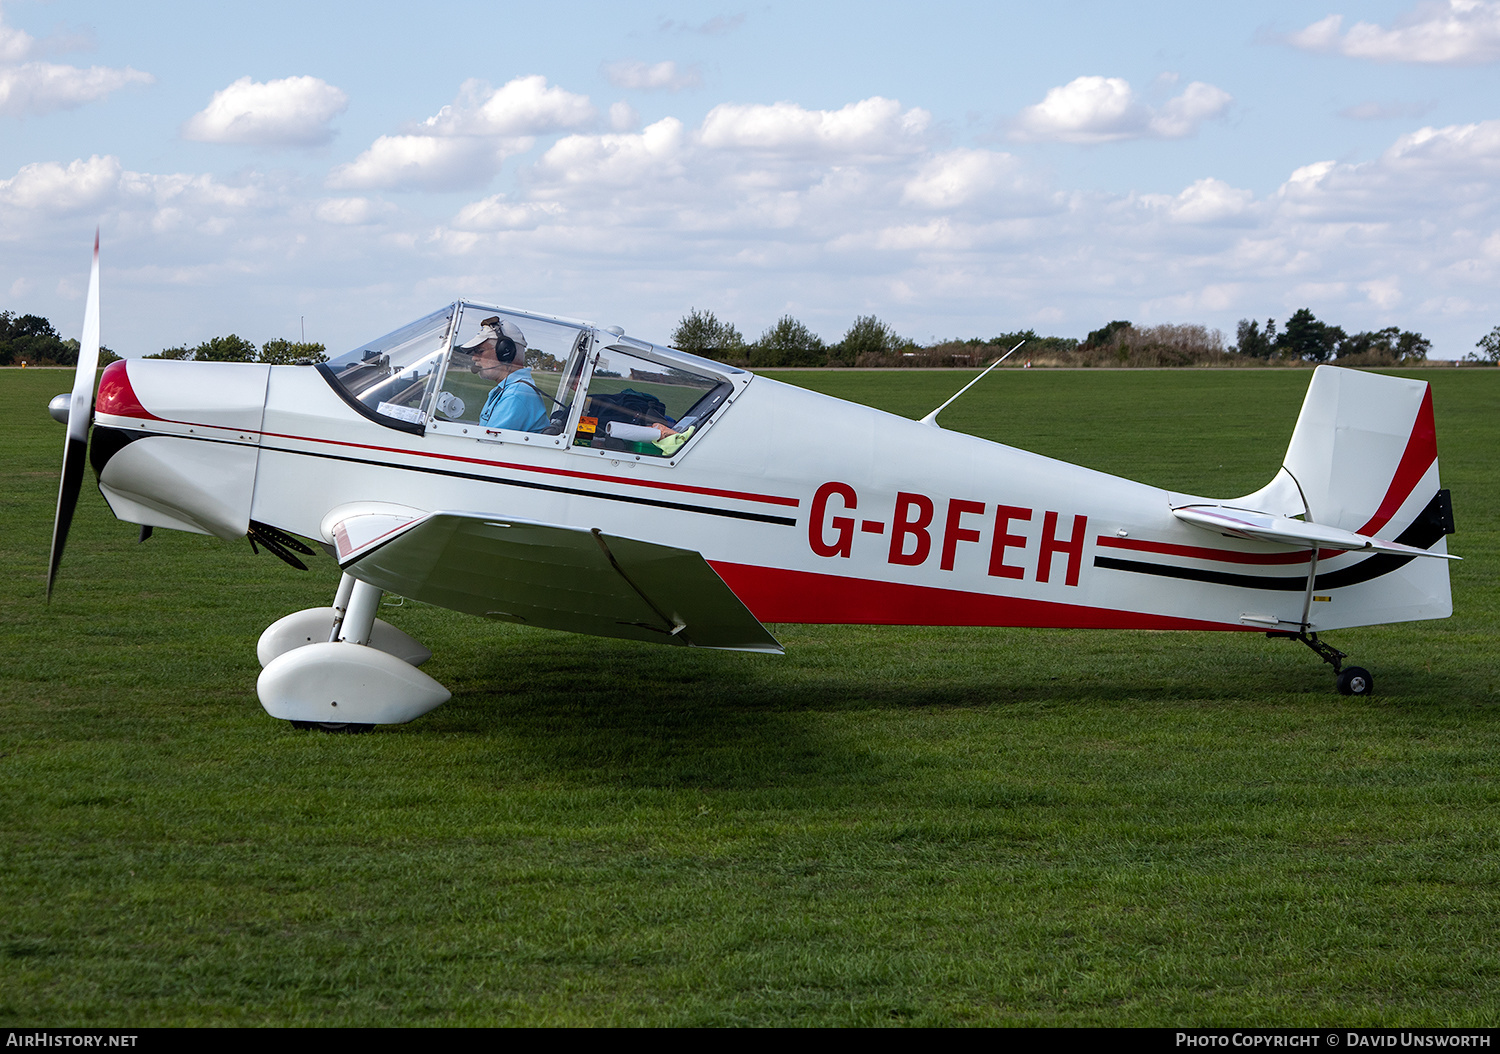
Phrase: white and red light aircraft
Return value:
(673, 499)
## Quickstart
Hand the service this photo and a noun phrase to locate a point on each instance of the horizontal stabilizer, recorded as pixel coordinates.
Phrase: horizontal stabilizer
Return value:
(544, 574)
(1266, 527)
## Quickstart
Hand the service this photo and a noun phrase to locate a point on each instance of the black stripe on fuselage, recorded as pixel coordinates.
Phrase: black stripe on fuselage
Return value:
(1432, 523)
(734, 514)
(758, 517)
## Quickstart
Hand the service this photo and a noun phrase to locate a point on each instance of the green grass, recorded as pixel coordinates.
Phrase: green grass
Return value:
(887, 826)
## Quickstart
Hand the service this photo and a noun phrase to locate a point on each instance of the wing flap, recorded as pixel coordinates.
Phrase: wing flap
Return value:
(559, 577)
(1267, 527)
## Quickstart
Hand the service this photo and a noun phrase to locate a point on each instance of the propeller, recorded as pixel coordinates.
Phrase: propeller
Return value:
(80, 416)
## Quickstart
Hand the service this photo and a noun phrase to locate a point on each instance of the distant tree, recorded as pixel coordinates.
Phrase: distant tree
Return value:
(1392, 344)
(32, 340)
(788, 343)
(1105, 334)
(1035, 344)
(64, 353)
(281, 352)
(1251, 341)
(1364, 343)
(232, 348)
(28, 326)
(1412, 347)
(1308, 339)
(868, 336)
(1010, 340)
(178, 352)
(1489, 348)
(700, 333)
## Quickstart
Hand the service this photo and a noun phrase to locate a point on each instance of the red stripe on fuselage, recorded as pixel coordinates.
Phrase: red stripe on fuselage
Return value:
(779, 595)
(769, 499)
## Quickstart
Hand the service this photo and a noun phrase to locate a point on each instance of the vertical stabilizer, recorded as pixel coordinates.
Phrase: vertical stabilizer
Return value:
(1363, 458)
(1364, 450)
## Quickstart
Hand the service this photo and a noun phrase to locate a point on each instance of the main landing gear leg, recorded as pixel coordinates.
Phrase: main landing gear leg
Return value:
(1353, 680)
(316, 625)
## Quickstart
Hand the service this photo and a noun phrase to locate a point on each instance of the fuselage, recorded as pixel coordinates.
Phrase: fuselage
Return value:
(810, 508)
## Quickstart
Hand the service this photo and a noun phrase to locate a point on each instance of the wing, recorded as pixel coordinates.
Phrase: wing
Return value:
(544, 574)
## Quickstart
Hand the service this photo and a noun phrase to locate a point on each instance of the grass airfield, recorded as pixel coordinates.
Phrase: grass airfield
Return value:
(885, 826)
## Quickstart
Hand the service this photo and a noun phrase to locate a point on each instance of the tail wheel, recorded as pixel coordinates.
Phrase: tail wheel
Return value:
(1355, 680)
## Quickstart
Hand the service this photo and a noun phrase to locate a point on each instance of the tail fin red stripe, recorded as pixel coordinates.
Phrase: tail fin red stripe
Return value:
(1421, 452)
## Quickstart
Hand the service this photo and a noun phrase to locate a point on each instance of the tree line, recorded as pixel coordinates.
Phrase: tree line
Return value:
(30, 340)
(234, 348)
(1306, 339)
(869, 342)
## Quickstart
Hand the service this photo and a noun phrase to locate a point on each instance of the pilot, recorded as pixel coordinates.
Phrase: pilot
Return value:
(500, 355)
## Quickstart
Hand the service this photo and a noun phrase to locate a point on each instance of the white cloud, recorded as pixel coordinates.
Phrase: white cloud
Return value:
(102, 189)
(525, 106)
(1180, 117)
(872, 127)
(1085, 110)
(33, 88)
(1106, 109)
(37, 88)
(1456, 32)
(958, 177)
(293, 111)
(1444, 169)
(1210, 201)
(1384, 293)
(1458, 144)
(202, 193)
(623, 117)
(352, 212)
(1309, 175)
(16, 45)
(653, 154)
(464, 144)
(639, 76)
(497, 214)
(421, 162)
(49, 187)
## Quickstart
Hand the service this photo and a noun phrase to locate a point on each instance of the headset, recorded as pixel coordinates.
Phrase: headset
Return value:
(506, 349)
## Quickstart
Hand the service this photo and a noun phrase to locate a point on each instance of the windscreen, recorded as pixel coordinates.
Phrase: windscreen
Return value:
(393, 379)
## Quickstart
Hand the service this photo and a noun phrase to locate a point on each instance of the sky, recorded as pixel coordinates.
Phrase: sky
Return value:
(956, 169)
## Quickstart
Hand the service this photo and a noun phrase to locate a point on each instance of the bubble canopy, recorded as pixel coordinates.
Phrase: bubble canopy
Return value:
(588, 383)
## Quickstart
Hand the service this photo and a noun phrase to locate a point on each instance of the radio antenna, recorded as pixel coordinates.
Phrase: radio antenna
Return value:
(931, 419)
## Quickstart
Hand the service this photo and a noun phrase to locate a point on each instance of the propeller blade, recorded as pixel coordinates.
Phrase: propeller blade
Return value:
(80, 416)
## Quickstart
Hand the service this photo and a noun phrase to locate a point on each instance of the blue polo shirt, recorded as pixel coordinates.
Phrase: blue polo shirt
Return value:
(516, 404)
